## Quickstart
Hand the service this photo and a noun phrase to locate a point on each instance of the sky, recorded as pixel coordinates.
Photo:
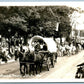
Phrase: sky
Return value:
(73, 4)
(70, 3)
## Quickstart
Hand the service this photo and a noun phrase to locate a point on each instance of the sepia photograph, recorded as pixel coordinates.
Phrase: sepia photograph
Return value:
(42, 41)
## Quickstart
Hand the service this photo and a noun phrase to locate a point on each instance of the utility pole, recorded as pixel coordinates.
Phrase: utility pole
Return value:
(57, 22)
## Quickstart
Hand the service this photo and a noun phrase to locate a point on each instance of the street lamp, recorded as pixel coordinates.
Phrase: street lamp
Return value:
(9, 30)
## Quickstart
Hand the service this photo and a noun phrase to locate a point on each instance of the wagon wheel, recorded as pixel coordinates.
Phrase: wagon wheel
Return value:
(48, 63)
(53, 61)
(55, 58)
(23, 70)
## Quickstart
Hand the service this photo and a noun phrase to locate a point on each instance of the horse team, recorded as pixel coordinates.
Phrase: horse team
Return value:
(32, 62)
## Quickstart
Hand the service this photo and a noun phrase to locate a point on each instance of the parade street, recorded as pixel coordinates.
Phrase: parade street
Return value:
(65, 68)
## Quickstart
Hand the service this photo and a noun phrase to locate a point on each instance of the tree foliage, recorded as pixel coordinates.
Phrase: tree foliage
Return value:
(28, 20)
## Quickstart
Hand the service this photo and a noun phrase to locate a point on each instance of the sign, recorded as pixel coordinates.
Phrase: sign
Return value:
(57, 26)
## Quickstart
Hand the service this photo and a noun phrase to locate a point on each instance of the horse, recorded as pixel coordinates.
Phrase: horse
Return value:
(33, 59)
(38, 60)
(22, 61)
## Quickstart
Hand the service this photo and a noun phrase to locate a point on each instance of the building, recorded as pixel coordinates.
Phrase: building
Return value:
(81, 33)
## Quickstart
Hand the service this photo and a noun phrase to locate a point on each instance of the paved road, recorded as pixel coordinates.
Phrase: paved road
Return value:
(65, 68)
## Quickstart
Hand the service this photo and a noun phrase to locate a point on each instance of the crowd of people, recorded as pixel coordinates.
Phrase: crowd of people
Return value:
(9, 47)
(69, 49)
(15, 44)
(16, 49)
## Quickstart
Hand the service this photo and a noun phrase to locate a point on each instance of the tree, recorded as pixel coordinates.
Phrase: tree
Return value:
(29, 20)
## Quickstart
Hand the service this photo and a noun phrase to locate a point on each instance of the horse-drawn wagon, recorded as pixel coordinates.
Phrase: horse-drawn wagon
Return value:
(46, 47)
(42, 52)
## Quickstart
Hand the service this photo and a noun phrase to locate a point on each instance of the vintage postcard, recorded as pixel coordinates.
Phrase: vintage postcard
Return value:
(42, 41)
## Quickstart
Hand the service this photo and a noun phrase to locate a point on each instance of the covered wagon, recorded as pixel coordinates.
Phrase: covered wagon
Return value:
(46, 47)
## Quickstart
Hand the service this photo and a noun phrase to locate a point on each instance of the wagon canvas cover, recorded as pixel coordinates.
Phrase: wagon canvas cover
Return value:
(51, 44)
